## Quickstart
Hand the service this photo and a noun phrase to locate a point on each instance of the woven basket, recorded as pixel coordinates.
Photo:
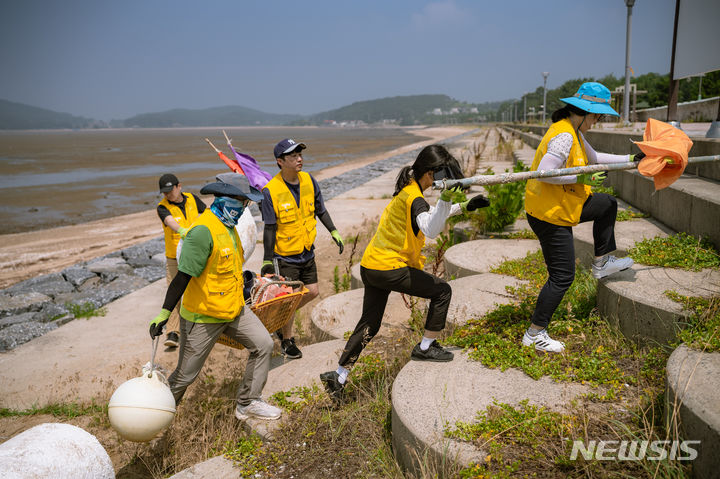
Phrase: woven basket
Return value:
(274, 313)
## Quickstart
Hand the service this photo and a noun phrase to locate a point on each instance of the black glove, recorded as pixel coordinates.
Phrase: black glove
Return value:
(477, 202)
(638, 156)
(267, 268)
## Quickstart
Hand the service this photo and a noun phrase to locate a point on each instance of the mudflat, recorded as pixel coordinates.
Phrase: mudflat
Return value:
(128, 216)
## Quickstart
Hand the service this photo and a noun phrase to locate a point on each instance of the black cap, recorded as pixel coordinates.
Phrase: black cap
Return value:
(167, 181)
(287, 146)
(232, 184)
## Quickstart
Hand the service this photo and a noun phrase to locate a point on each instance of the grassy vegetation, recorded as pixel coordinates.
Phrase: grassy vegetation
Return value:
(627, 215)
(680, 250)
(61, 411)
(85, 310)
(702, 332)
(627, 381)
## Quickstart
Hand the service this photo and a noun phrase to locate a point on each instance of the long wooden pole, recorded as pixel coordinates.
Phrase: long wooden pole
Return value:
(529, 175)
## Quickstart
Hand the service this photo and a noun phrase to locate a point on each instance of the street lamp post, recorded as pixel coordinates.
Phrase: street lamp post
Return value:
(545, 75)
(525, 107)
(626, 94)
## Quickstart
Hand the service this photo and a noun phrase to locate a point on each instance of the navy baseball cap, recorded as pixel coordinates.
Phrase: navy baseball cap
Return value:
(287, 146)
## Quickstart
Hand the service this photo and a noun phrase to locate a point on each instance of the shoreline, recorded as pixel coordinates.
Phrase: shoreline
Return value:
(41, 251)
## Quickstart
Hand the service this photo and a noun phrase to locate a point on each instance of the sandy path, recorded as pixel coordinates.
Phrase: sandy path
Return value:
(24, 255)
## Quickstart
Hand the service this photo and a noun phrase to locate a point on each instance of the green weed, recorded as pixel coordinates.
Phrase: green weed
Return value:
(680, 250)
(85, 310)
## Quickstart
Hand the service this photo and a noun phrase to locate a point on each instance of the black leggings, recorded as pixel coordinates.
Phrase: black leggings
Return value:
(378, 285)
(559, 251)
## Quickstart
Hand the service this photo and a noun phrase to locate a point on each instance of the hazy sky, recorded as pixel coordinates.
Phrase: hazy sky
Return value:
(117, 58)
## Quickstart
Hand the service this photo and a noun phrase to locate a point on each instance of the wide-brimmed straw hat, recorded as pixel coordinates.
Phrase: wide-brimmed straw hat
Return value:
(232, 184)
(592, 97)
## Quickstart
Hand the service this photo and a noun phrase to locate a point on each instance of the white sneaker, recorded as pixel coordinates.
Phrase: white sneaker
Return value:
(258, 409)
(611, 266)
(543, 342)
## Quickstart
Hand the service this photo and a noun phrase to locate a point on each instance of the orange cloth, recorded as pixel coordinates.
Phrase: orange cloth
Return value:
(663, 141)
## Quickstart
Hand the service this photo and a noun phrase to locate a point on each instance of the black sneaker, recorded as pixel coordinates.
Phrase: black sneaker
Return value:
(172, 340)
(333, 386)
(434, 353)
(290, 350)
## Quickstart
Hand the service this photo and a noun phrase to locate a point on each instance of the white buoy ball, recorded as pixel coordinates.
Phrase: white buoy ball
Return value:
(141, 407)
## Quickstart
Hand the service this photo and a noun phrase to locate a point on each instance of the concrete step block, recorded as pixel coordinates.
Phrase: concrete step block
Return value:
(691, 204)
(480, 256)
(692, 407)
(627, 233)
(335, 315)
(428, 396)
(476, 295)
(634, 300)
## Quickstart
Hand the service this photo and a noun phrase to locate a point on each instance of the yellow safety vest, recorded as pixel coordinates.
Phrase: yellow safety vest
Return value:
(185, 220)
(295, 225)
(394, 244)
(557, 204)
(217, 292)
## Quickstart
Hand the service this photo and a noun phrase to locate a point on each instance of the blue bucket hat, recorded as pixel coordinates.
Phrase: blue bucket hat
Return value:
(592, 97)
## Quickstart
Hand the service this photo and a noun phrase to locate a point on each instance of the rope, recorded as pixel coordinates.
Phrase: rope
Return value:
(155, 342)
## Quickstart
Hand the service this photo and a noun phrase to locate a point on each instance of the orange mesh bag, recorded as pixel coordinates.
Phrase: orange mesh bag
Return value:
(663, 142)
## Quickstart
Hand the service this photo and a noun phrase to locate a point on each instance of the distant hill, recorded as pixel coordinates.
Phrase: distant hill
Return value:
(18, 116)
(218, 116)
(403, 110)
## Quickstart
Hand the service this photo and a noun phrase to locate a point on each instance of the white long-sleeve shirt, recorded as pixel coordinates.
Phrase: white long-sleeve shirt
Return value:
(557, 155)
(432, 222)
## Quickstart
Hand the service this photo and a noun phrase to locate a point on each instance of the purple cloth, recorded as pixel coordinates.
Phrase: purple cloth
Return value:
(257, 177)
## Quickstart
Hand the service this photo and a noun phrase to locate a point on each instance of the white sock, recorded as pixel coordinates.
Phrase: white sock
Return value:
(342, 374)
(425, 343)
(600, 261)
(533, 331)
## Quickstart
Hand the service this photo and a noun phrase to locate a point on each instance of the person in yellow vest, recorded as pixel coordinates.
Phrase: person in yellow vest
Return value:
(177, 211)
(292, 201)
(210, 282)
(393, 261)
(555, 205)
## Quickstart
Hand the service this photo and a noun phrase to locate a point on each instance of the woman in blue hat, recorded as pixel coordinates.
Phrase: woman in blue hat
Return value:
(555, 205)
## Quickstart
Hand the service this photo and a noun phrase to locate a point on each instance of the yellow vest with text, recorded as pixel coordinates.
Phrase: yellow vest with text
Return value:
(185, 220)
(394, 244)
(295, 223)
(557, 204)
(217, 292)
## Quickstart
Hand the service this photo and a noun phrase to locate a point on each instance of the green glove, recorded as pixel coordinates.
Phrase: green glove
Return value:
(447, 194)
(157, 324)
(637, 157)
(594, 179)
(267, 268)
(182, 231)
(338, 240)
